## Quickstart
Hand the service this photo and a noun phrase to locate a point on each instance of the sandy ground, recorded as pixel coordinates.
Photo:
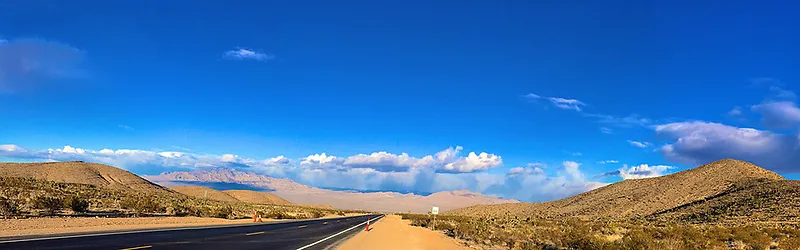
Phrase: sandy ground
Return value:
(38, 226)
(393, 233)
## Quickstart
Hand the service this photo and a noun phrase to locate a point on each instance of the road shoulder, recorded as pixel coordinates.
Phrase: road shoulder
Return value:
(393, 233)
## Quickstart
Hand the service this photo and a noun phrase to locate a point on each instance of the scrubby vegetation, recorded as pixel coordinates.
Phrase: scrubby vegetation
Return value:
(27, 197)
(537, 233)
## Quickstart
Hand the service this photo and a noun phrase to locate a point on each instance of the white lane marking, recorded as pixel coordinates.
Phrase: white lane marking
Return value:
(150, 231)
(134, 248)
(334, 235)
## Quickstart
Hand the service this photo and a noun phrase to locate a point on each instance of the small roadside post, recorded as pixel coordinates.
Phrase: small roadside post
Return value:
(434, 211)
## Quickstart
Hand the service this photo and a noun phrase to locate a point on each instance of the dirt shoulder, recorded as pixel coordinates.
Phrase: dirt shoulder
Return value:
(394, 233)
(56, 225)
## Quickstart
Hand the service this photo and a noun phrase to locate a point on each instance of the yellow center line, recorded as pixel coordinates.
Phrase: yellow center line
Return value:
(256, 233)
(303, 226)
(134, 248)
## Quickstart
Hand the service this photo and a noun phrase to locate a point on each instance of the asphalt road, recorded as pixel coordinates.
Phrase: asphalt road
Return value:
(308, 234)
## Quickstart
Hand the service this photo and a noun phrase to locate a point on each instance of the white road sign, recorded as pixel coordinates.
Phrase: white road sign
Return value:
(435, 210)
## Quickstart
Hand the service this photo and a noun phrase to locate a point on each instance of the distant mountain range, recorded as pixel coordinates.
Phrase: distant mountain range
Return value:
(303, 194)
(725, 190)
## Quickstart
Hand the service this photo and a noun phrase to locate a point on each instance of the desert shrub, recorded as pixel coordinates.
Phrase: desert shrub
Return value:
(273, 214)
(637, 239)
(78, 204)
(752, 237)
(225, 212)
(50, 204)
(8, 207)
(317, 214)
(140, 204)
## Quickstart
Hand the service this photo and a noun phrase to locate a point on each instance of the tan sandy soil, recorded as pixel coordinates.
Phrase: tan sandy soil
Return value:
(40, 226)
(393, 233)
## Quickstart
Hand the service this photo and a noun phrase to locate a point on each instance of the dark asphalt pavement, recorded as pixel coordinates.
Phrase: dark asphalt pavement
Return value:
(284, 235)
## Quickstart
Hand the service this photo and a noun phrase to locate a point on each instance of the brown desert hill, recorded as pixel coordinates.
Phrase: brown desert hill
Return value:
(231, 195)
(82, 173)
(256, 197)
(638, 197)
(204, 192)
(750, 200)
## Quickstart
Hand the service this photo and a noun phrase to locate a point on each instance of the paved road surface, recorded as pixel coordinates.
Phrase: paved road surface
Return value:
(309, 234)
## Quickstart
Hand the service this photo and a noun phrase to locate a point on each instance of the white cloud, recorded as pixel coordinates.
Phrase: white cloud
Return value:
(633, 120)
(605, 130)
(534, 184)
(700, 142)
(781, 115)
(125, 127)
(643, 171)
(181, 148)
(247, 54)
(639, 144)
(473, 162)
(562, 103)
(637, 172)
(536, 165)
(278, 160)
(608, 161)
(321, 160)
(25, 63)
(736, 111)
(781, 93)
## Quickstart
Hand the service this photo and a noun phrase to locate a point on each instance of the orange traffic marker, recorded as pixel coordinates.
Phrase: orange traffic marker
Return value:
(367, 229)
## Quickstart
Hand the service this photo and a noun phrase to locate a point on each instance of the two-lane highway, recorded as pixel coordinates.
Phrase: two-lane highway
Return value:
(305, 234)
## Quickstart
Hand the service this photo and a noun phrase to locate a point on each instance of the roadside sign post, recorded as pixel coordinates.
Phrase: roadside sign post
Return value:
(434, 211)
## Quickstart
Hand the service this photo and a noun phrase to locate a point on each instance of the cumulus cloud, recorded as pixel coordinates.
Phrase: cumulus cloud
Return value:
(25, 63)
(423, 175)
(629, 121)
(444, 161)
(247, 54)
(536, 165)
(558, 102)
(638, 172)
(779, 115)
(639, 144)
(700, 142)
(534, 184)
(473, 162)
(736, 111)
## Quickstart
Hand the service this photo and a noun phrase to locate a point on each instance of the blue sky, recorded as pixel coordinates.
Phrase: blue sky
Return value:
(555, 94)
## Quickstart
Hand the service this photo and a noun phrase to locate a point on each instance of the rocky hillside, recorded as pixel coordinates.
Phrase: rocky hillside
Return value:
(204, 192)
(82, 173)
(256, 197)
(247, 196)
(643, 197)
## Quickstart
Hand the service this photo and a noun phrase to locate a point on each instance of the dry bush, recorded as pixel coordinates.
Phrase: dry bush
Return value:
(533, 233)
(78, 204)
(140, 204)
(8, 207)
(49, 204)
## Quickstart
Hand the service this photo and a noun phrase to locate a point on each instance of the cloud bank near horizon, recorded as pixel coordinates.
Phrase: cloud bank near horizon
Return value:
(445, 170)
